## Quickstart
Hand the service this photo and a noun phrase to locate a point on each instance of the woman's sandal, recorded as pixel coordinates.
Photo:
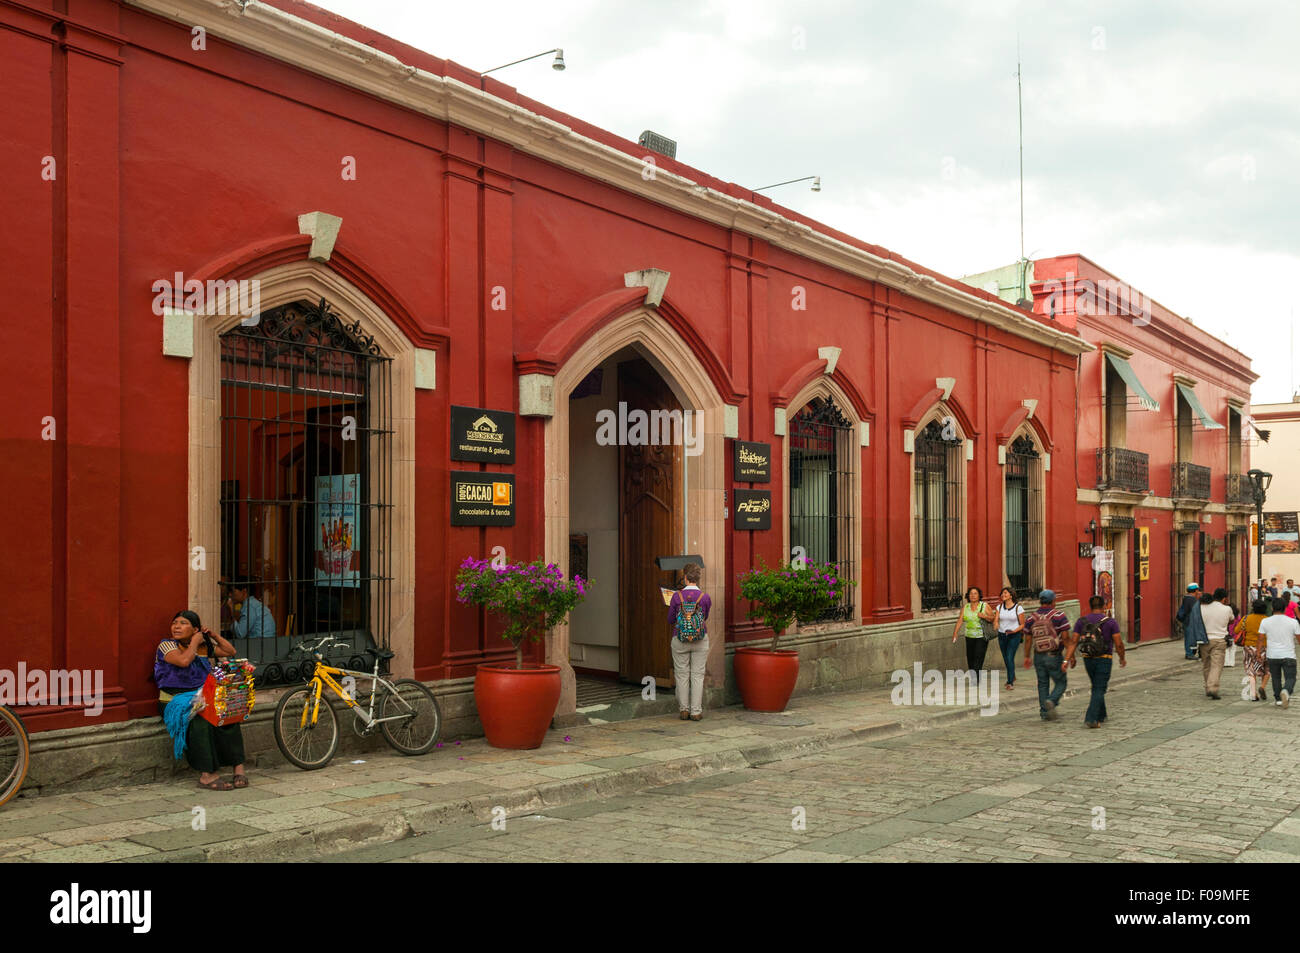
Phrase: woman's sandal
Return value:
(239, 781)
(217, 784)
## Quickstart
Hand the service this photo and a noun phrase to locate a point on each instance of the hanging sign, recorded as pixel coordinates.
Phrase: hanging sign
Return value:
(1144, 553)
(753, 509)
(482, 499)
(486, 436)
(1280, 533)
(752, 462)
(338, 535)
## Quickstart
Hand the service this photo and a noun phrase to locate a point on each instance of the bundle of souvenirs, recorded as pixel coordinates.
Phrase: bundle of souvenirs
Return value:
(228, 693)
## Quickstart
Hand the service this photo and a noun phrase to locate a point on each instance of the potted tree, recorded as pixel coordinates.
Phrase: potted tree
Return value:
(780, 597)
(516, 703)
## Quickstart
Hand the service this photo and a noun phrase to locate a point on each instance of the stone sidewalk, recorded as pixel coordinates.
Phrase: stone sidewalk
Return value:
(290, 814)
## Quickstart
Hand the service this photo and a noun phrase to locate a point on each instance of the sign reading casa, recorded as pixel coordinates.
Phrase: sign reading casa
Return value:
(485, 436)
(482, 499)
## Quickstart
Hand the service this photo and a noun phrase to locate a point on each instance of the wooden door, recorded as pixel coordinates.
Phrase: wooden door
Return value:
(650, 521)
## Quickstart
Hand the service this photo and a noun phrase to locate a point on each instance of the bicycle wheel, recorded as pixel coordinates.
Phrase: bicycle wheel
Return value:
(14, 753)
(417, 732)
(304, 744)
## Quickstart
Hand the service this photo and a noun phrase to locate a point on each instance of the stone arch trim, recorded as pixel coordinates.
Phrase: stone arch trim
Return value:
(706, 474)
(1013, 425)
(823, 385)
(922, 409)
(281, 284)
(809, 374)
(567, 336)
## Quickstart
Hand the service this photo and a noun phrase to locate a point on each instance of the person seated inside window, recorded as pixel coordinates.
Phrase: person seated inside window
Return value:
(252, 619)
(180, 667)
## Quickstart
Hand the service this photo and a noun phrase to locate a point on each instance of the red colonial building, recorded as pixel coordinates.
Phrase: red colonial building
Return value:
(306, 278)
(1163, 443)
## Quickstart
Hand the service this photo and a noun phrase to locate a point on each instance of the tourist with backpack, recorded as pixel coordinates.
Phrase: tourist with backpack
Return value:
(688, 613)
(1049, 635)
(1096, 638)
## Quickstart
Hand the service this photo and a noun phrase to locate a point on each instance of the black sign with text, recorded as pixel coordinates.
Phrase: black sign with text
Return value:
(752, 462)
(753, 509)
(482, 499)
(485, 436)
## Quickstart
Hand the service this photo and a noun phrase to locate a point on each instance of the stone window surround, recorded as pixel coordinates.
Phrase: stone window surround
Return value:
(938, 412)
(280, 285)
(1039, 516)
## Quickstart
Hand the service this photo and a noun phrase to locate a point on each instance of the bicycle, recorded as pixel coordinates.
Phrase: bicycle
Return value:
(307, 731)
(15, 752)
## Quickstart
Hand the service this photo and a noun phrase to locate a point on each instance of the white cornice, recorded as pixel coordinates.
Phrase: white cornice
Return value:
(274, 33)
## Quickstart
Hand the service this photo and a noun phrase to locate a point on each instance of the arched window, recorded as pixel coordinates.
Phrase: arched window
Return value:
(823, 446)
(1023, 512)
(938, 462)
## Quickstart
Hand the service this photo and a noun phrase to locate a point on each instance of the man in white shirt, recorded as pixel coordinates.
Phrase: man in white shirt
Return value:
(1281, 631)
(1217, 617)
(1292, 588)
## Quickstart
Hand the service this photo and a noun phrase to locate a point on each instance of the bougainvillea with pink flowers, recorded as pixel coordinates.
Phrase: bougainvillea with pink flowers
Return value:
(789, 593)
(532, 598)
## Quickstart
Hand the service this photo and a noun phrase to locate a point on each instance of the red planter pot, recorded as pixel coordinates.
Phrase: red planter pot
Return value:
(516, 705)
(765, 677)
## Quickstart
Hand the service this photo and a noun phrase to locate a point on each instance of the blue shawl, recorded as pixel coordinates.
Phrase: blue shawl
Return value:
(177, 717)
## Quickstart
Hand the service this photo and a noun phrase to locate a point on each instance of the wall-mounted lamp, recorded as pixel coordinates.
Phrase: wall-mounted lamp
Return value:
(1092, 528)
(557, 65)
(816, 183)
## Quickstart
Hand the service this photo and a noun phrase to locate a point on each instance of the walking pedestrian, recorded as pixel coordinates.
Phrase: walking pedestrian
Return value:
(968, 623)
(688, 614)
(1254, 661)
(1189, 614)
(1096, 638)
(1281, 633)
(1217, 616)
(1011, 630)
(1253, 594)
(1049, 633)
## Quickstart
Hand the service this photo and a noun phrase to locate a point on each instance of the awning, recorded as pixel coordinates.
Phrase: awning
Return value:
(1189, 395)
(1125, 371)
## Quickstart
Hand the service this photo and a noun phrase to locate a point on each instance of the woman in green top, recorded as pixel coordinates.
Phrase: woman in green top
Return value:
(968, 623)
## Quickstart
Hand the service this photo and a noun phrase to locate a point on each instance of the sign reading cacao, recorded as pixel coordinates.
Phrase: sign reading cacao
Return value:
(485, 436)
(482, 499)
(752, 462)
(753, 509)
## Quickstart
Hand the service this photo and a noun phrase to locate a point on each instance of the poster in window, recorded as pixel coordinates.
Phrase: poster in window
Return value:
(1280, 533)
(338, 533)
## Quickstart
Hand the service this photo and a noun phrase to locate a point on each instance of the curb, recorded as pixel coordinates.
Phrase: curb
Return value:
(387, 827)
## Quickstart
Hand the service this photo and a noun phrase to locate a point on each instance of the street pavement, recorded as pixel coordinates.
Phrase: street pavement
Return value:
(1173, 775)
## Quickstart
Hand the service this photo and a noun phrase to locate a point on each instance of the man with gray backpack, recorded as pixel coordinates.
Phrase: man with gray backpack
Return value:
(1096, 638)
(1049, 633)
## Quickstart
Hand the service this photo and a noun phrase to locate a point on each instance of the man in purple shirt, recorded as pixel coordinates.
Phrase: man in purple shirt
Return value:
(690, 643)
(1099, 664)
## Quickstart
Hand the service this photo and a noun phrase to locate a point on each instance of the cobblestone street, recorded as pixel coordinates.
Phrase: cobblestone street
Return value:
(1172, 776)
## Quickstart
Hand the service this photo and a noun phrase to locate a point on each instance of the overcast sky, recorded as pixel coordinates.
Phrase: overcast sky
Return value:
(1162, 139)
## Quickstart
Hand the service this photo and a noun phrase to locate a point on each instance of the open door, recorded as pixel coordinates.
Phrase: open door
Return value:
(650, 521)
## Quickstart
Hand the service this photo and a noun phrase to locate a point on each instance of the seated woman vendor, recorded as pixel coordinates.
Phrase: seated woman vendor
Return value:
(180, 667)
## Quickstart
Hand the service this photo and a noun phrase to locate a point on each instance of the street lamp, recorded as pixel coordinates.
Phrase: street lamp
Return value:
(816, 183)
(1259, 481)
(558, 64)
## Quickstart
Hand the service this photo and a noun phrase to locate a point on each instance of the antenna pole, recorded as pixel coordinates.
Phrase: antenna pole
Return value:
(1020, 110)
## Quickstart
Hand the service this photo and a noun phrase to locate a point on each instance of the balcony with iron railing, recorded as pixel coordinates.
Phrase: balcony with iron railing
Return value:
(1238, 490)
(1122, 469)
(1189, 482)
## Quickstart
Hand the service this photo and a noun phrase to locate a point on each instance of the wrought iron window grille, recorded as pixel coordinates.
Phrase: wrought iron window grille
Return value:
(937, 494)
(821, 448)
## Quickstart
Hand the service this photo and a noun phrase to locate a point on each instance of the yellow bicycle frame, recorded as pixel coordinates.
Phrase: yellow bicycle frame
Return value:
(321, 677)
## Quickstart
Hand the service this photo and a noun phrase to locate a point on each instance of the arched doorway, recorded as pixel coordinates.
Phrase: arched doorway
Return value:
(619, 492)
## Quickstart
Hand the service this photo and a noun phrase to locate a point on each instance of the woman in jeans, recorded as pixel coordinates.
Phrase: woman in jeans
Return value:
(968, 623)
(1011, 629)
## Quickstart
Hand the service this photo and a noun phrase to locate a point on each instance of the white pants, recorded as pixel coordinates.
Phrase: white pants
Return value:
(688, 667)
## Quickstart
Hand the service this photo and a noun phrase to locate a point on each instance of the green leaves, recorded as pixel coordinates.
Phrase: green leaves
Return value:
(787, 595)
(531, 597)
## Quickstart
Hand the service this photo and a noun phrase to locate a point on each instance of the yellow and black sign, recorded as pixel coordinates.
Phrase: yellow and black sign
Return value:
(486, 436)
(752, 462)
(753, 509)
(482, 499)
